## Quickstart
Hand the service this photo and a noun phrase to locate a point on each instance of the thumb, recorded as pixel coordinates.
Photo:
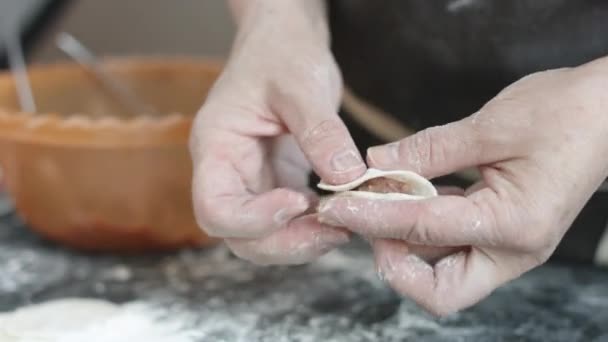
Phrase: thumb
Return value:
(436, 151)
(322, 136)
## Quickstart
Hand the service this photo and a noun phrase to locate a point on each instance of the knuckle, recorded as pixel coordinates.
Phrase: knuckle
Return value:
(208, 217)
(434, 138)
(321, 133)
(499, 218)
(426, 148)
(420, 232)
(417, 233)
(486, 215)
(426, 233)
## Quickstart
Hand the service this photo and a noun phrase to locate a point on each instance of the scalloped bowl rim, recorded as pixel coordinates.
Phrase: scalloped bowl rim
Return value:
(79, 129)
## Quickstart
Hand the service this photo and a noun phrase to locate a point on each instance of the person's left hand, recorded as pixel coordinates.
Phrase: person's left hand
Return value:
(542, 149)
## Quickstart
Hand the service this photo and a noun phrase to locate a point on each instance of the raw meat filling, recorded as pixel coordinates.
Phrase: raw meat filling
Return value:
(385, 186)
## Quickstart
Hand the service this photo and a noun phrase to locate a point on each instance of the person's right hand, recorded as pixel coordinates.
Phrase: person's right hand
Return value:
(272, 115)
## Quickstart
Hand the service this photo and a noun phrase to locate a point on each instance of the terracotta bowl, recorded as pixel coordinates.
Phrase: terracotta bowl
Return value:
(87, 172)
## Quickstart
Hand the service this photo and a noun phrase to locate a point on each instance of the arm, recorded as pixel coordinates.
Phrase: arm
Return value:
(296, 11)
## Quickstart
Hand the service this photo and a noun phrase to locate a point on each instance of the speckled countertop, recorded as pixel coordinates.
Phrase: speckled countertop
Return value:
(338, 298)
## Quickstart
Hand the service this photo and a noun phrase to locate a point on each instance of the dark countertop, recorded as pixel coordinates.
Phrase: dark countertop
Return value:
(338, 298)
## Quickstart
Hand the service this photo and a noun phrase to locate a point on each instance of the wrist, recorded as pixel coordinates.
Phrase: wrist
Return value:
(297, 19)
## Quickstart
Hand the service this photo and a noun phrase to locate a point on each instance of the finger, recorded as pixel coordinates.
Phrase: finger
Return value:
(440, 221)
(438, 151)
(302, 241)
(454, 283)
(289, 164)
(225, 208)
(321, 134)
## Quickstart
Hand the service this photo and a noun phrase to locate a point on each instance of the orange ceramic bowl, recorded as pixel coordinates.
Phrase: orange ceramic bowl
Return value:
(86, 172)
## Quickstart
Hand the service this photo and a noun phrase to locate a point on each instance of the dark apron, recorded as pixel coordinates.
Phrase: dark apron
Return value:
(430, 62)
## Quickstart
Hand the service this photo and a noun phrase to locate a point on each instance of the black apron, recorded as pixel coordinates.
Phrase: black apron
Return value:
(430, 62)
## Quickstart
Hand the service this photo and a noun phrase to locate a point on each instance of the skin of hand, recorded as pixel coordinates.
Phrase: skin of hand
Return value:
(271, 112)
(541, 148)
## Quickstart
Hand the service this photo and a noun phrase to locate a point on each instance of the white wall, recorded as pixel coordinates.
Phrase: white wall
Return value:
(127, 27)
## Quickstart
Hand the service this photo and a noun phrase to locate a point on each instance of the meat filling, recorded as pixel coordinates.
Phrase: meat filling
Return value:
(386, 186)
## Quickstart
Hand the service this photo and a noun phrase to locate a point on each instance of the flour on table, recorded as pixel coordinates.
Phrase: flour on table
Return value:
(79, 319)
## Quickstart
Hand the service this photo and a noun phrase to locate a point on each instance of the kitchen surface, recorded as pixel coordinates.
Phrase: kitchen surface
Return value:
(199, 291)
(215, 297)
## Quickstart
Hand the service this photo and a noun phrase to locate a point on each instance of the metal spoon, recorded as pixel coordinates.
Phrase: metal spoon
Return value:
(76, 50)
(18, 67)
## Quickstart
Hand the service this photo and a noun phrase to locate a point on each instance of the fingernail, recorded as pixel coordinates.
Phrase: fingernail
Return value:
(383, 155)
(282, 216)
(326, 216)
(330, 220)
(303, 203)
(346, 160)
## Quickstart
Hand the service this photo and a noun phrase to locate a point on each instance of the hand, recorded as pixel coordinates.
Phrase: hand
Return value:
(273, 110)
(541, 148)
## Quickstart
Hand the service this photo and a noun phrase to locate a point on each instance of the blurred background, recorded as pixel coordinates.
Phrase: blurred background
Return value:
(116, 27)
